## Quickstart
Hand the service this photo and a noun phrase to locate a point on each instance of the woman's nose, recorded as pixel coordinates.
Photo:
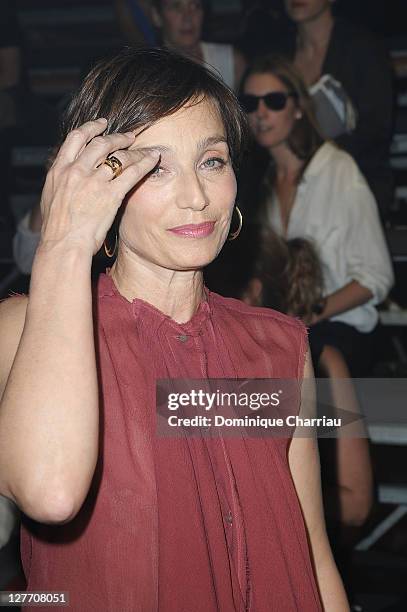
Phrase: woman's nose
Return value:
(191, 193)
(262, 109)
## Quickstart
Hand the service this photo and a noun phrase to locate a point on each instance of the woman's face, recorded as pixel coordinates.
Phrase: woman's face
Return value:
(270, 128)
(178, 217)
(181, 22)
(306, 10)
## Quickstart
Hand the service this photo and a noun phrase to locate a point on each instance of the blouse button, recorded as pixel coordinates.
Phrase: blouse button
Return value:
(229, 518)
(182, 338)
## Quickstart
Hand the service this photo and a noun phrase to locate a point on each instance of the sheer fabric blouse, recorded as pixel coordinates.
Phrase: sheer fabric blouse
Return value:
(183, 523)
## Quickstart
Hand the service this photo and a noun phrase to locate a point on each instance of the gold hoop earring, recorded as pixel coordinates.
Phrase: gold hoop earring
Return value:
(235, 234)
(111, 252)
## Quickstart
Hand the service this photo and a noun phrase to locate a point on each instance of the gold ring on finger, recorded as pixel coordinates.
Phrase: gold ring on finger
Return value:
(115, 165)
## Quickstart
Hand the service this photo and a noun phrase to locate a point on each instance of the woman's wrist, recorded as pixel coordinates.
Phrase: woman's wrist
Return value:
(320, 311)
(63, 251)
(55, 266)
(319, 307)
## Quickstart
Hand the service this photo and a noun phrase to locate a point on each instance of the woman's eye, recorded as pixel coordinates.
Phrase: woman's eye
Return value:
(214, 163)
(157, 171)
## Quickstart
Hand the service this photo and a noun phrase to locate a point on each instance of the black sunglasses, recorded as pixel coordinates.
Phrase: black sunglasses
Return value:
(275, 100)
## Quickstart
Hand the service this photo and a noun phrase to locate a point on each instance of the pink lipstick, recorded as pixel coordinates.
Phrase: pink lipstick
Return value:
(194, 230)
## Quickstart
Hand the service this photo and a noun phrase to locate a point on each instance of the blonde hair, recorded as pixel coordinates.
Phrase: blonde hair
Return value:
(305, 278)
(290, 273)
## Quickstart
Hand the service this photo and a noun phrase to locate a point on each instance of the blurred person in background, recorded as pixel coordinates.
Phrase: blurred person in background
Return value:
(287, 275)
(266, 270)
(181, 22)
(265, 28)
(136, 21)
(314, 190)
(349, 74)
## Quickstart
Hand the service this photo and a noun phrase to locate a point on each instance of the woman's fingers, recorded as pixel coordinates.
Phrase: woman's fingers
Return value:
(101, 147)
(87, 148)
(78, 139)
(82, 194)
(136, 165)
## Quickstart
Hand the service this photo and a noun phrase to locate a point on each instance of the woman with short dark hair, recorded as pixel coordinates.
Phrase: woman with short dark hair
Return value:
(121, 517)
(181, 22)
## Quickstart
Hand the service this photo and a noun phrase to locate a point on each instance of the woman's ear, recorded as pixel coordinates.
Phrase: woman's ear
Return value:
(252, 294)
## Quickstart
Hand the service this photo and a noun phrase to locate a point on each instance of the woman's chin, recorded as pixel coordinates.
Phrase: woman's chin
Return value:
(196, 261)
(265, 140)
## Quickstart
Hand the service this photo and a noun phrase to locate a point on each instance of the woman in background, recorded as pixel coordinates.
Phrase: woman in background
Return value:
(136, 22)
(180, 22)
(327, 46)
(287, 275)
(315, 191)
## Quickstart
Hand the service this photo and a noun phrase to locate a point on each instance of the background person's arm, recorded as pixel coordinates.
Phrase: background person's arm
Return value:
(351, 500)
(364, 248)
(348, 297)
(305, 469)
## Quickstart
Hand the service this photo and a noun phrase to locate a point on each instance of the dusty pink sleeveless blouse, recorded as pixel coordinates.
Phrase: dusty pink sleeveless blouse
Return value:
(183, 524)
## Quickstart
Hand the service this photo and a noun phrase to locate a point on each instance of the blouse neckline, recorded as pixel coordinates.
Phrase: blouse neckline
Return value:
(155, 317)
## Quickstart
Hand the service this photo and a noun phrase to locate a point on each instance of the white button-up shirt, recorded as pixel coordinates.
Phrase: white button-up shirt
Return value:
(336, 211)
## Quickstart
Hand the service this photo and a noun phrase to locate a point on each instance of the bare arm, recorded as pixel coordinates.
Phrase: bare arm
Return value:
(49, 409)
(350, 296)
(354, 478)
(366, 255)
(305, 469)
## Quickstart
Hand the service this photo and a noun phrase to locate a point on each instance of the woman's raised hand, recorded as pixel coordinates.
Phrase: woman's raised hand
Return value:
(81, 195)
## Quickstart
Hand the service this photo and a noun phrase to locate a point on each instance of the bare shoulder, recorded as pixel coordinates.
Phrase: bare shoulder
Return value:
(12, 319)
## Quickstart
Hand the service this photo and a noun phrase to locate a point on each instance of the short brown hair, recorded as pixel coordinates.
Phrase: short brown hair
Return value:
(137, 87)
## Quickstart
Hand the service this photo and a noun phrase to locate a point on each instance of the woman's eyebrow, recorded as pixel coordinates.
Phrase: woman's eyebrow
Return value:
(211, 140)
(152, 149)
(204, 143)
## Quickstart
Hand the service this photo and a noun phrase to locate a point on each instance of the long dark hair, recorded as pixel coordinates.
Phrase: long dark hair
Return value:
(137, 87)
